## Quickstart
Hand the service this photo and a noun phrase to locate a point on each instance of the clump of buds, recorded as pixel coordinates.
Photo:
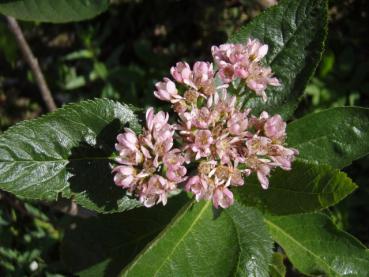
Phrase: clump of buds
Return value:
(222, 142)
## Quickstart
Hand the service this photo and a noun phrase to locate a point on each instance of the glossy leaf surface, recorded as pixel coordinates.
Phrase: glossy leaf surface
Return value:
(56, 11)
(295, 32)
(204, 242)
(307, 187)
(315, 246)
(335, 136)
(67, 153)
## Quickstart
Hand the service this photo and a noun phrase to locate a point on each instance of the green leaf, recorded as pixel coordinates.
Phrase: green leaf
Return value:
(295, 32)
(307, 187)
(56, 11)
(200, 242)
(315, 246)
(277, 267)
(67, 153)
(335, 136)
(103, 245)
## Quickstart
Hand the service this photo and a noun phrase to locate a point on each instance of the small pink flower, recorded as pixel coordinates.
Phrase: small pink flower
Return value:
(203, 140)
(155, 121)
(241, 71)
(167, 91)
(127, 140)
(221, 53)
(262, 173)
(259, 79)
(129, 153)
(173, 158)
(237, 179)
(182, 73)
(198, 186)
(202, 72)
(125, 177)
(224, 149)
(164, 134)
(201, 118)
(176, 173)
(282, 156)
(223, 103)
(258, 123)
(238, 123)
(275, 127)
(222, 197)
(258, 145)
(256, 50)
(227, 73)
(154, 191)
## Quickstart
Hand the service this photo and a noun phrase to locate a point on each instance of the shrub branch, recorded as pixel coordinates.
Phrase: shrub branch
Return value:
(32, 62)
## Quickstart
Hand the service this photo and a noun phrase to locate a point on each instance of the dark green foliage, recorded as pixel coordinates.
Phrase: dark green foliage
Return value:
(56, 11)
(336, 136)
(28, 236)
(67, 153)
(295, 32)
(307, 187)
(236, 240)
(315, 246)
(103, 245)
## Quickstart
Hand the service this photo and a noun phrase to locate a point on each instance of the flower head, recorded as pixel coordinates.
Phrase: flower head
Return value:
(222, 142)
(167, 91)
(242, 61)
(149, 167)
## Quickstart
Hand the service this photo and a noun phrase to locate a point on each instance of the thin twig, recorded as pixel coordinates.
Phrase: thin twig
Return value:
(32, 62)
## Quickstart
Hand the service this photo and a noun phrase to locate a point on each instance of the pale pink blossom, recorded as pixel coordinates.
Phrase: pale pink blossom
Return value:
(258, 123)
(173, 158)
(282, 156)
(262, 173)
(176, 174)
(223, 197)
(127, 140)
(275, 127)
(128, 148)
(225, 149)
(125, 177)
(200, 187)
(259, 79)
(156, 121)
(201, 146)
(174, 161)
(201, 118)
(227, 72)
(202, 72)
(154, 191)
(258, 145)
(238, 123)
(242, 61)
(182, 73)
(167, 91)
(256, 50)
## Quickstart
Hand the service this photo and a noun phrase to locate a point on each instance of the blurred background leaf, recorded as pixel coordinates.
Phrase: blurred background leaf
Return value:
(57, 11)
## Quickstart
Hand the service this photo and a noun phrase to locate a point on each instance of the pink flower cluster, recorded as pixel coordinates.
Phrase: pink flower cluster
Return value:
(149, 165)
(222, 142)
(228, 145)
(239, 61)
